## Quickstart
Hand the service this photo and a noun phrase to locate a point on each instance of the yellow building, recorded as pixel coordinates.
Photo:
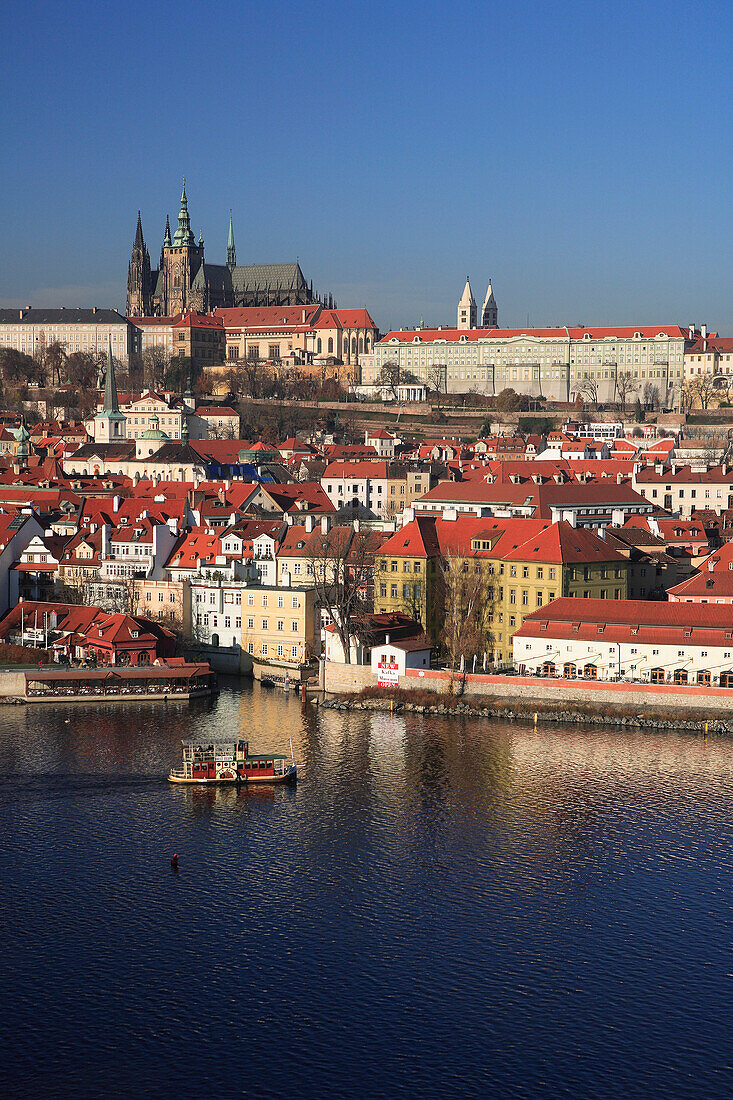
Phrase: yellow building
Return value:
(279, 624)
(526, 564)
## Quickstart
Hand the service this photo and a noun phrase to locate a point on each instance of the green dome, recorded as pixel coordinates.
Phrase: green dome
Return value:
(154, 432)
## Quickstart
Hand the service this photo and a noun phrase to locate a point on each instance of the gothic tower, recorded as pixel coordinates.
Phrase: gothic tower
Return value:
(139, 280)
(489, 312)
(467, 308)
(231, 250)
(181, 260)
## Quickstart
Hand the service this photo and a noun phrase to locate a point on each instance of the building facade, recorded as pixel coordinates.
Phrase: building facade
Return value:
(556, 363)
(92, 330)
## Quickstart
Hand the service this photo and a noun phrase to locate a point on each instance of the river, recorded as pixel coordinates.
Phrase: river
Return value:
(442, 907)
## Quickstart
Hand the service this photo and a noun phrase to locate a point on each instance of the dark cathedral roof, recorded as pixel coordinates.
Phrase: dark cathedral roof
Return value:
(216, 277)
(61, 316)
(253, 277)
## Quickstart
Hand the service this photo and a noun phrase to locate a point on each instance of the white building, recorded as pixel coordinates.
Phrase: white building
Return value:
(557, 363)
(91, 330)
(659, 643)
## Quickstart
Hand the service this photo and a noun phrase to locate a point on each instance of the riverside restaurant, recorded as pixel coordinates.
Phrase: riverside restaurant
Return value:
(158, 683)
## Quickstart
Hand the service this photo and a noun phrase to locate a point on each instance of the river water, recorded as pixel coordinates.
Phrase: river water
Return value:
(442, 907)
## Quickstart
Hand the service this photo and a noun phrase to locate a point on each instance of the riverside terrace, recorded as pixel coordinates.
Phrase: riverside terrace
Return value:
(176, 680)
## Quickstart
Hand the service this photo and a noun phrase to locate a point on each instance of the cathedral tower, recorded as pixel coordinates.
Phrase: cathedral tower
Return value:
(231, 250)
(467, 308)
(489, 312)
(181, 260)
(139, 279)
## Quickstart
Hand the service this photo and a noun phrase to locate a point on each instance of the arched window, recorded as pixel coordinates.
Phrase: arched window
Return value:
(657, 676)
(366, 343)
(330, 345)
(318, 345)
(726, 679)
(353, 345)
(569, 670)
(590, 672)
(680, 675)
(361, 343)
(214, 639)
(548, 669)
(703, 677)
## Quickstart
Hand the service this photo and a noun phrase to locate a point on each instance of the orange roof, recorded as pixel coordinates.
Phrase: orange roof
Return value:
(428, 335)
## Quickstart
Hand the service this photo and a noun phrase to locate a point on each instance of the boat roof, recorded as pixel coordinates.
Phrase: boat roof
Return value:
(232, 745)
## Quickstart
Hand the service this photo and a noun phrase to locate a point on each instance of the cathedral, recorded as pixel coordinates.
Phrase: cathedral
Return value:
(184, 280)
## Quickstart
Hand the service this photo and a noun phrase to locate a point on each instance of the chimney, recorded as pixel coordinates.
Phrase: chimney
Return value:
(617, 517)
(692, 332)
(325, 525)
(704, 334)
(308, 524)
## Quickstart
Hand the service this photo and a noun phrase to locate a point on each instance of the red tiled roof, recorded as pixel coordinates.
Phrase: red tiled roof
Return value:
(648, 332)
(564, 544)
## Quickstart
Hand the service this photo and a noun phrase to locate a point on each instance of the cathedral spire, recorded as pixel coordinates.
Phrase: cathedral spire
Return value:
(231, 250)
(139, 242)
(183, 237)
(167, 236)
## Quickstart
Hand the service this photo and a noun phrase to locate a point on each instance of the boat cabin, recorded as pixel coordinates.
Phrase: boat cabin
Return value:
(224, 758)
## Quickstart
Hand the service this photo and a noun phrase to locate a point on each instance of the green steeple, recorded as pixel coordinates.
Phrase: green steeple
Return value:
(231, 250)
(111, 404)
(183, 236)
(23, 437)
(167, 237)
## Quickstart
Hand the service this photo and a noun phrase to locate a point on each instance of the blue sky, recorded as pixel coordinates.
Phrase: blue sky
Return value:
(575, 152)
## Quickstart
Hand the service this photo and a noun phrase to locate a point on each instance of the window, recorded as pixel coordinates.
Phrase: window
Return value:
(264, 624)
(383, 590)
(251, 600)
(525, 572)
(280, 624)
(393, 566)
(250, 647)
(294, 626)
(238, 623)
(264, 649)
(406, 592)
(281, 601)
(296, 602)
(540, 573)
(250, 624)
(393, 592)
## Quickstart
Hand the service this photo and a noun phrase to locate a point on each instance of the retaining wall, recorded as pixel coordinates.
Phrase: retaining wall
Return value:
(530, 690)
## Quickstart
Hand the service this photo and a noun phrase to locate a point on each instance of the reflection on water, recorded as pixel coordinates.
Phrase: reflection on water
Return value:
(441, 907)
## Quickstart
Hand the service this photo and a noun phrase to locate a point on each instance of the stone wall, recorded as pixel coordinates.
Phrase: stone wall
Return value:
(12, 684)
(529, 690)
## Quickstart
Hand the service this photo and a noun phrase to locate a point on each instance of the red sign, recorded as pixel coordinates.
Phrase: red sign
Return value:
(388, 674)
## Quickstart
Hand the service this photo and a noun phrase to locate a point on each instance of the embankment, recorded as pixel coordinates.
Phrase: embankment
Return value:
(688, 706)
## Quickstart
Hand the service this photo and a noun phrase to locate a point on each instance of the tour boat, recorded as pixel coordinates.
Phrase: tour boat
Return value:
(232, 762)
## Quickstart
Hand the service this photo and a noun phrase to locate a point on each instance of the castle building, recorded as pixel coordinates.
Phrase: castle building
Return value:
(184, 280)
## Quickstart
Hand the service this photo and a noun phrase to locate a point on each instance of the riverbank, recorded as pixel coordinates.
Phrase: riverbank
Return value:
(404, 702)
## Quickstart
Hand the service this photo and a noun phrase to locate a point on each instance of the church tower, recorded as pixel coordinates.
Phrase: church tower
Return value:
(139, 279)
(110, 425)
(231, 250)
(181, 260)
(489, 312)
(467, 308)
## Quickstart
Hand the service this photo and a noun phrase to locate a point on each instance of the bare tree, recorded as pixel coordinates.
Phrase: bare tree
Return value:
(468, 598)
(702, 389)
(588, 389)
(156, 361)
(626, 386)
(341, 563)
(54, 357)
(687, 398)
(436, 378)
(651, 396)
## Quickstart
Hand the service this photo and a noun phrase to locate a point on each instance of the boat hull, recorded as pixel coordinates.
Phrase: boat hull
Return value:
(290, 776)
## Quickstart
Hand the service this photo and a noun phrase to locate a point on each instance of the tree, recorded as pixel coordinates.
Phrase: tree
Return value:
(687, 398)
(638, 412)
(626, 385)
(508, 400)
(341, 562)
(82, 369)
(155, 364)
(588, 389)
(437, 381)
(702, 389)
(651, 396)
(16, 366)
(389, 376)
(53, 359)
(468, 598)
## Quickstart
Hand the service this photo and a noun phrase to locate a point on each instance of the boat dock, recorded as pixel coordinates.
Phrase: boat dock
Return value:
(121, 684)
